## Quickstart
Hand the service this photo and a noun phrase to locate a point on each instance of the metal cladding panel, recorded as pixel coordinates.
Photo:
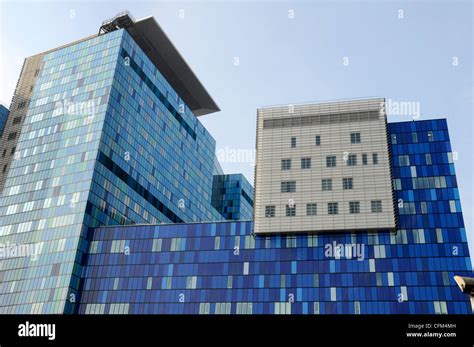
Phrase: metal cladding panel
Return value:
(334, 124)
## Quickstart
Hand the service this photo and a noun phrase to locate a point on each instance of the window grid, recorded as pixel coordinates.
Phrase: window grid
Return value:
(333, 208)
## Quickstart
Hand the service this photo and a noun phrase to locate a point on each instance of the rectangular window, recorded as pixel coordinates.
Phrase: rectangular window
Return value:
(270, 211)
(157, 245)
(430, 136)
(311, 209)
(317, 140)
(288, 186)
(397, 184)
(305, 163)
(394, 139)
(331, 161)
(333, 208)
(352, 160)
(356, 307)
(355, 137)
(452, 206)
(364, 159)
(347, 183)
(404, 160)
(354, 207)
(293, 142)
(326, 184)
(286, 164)
(376, 206)
(290, 210)
(428, 159)
(424, 209)
(375, 158)
(11, 136)
(414, 137)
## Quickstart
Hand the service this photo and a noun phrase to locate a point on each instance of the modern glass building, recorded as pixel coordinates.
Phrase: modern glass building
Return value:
(113, 200)
(232, 196)
(110, 136)
(3, 118)
(224, 268)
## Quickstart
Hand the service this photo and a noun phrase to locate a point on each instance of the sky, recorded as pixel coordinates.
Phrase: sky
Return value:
(250, 54)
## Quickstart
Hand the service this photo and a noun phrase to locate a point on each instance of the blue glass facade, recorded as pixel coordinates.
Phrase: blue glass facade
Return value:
(3, 118)
(106, 141)
(232, 196)
(47, 188)
(222, 268)
(155, 161)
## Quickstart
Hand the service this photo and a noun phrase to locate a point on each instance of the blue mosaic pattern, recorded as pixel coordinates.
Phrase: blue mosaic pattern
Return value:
(232, 196)
(106, 141)
(222, 268)
(156, 159)
(47, 187)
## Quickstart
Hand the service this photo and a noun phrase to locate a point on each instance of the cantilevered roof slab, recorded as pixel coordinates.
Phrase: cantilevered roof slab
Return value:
(157, 46)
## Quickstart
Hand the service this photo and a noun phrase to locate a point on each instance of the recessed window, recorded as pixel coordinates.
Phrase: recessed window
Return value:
(347, 183)
(331, 161)
(286, 164)
(355, 137)
(11, 136)
(333, 208)
(288, 186)
(270, 211)
(376, 206)
(290, 210)
(293, 142)
(317, 140)
(326, 184)
(311, 209)
(352, 160)
(375, 158)
(354, 207)
(414, 137)
(306, 163)
(364, 159)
